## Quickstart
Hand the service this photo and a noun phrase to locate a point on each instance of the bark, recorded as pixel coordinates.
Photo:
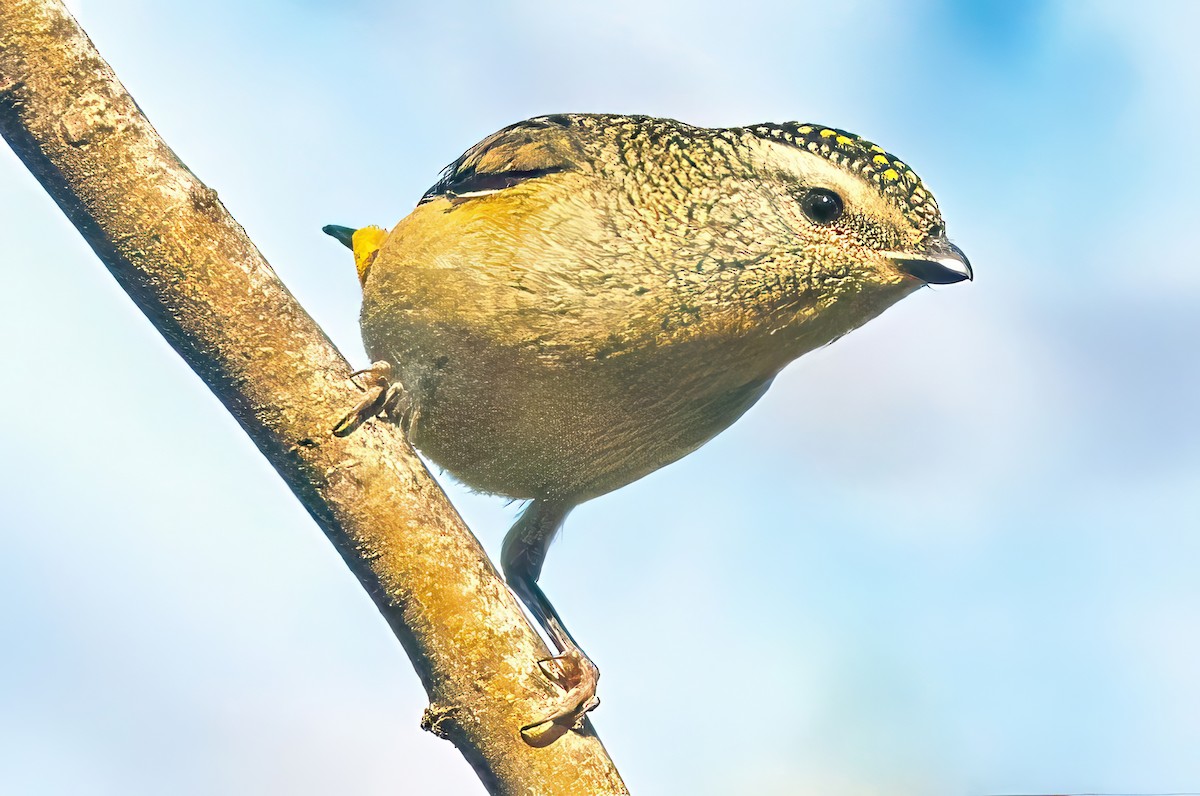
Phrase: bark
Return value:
(191, 269)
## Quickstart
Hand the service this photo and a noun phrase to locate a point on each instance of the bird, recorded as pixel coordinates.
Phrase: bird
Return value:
(581, 299)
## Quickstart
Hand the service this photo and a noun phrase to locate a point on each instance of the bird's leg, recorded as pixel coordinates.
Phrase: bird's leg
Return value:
(383, 395)
(521, 557)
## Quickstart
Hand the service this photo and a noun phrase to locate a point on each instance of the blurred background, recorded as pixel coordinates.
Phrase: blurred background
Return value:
(954, 553)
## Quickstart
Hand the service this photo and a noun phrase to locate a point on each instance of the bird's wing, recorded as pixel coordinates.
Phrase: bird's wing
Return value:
(524, 151)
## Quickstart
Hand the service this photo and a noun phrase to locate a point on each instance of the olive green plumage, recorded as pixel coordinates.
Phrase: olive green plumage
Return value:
(582, 299)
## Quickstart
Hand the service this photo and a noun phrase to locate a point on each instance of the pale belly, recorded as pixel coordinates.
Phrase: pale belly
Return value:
(511, 423)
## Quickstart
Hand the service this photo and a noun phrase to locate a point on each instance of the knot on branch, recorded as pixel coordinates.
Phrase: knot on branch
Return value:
(90, 117)
(441, 720)
(205, 199)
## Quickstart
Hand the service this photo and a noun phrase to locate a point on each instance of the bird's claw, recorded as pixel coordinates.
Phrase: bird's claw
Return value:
(382, 395)
(577, 676)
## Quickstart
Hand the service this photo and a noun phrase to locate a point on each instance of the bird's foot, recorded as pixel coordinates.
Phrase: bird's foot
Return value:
(577, 676)
(382, 395)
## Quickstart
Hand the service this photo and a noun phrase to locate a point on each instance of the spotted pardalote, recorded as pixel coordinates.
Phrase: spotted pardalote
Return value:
(583, 298)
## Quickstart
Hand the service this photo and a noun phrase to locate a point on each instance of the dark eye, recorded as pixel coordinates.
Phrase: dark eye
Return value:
(822, 205)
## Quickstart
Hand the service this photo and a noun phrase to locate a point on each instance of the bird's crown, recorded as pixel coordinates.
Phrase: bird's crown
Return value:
(870, 161)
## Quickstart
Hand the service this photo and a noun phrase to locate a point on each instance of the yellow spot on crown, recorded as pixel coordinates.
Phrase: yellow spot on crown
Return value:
(828, 133)
(891, 174)
(844, 141)
(880, 160)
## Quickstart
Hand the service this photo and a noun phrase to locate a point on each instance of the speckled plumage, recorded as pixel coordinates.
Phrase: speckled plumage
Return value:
(582, 299)
(565, 333)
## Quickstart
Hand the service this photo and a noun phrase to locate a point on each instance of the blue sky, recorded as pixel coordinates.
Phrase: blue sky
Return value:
(954, 553)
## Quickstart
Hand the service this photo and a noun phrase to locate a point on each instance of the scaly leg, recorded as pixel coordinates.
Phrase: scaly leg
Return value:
(382, 396)
(521, 558)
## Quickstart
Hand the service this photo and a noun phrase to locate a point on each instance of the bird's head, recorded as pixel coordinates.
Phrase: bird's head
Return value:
(856, 202)
(788, 226)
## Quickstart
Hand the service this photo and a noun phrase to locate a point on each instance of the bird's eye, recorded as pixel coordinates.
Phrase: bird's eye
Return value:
(822, 205)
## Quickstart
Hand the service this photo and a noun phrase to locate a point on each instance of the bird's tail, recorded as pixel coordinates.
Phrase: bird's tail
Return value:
(364, 242)
(344, 235)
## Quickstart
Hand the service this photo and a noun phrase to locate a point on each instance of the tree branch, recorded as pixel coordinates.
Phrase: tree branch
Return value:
(191, 269)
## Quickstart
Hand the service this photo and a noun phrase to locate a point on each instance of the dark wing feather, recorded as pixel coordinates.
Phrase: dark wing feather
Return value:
(523, 151)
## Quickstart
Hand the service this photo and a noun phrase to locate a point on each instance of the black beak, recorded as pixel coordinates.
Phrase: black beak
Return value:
(942, 264)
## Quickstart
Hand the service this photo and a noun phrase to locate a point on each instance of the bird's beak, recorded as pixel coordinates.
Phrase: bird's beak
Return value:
(940, 263)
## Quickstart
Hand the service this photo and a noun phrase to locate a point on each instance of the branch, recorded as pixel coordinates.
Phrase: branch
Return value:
(191, 269)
